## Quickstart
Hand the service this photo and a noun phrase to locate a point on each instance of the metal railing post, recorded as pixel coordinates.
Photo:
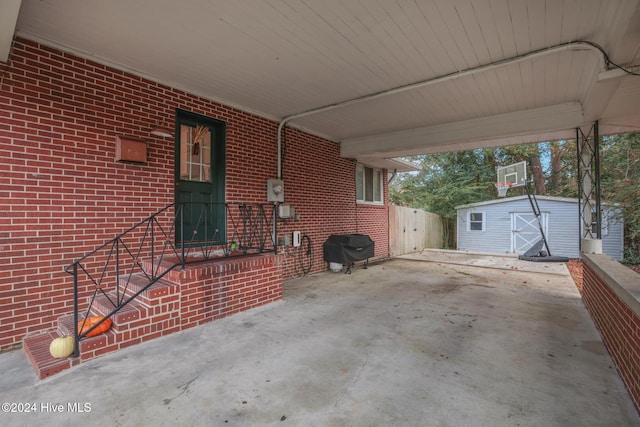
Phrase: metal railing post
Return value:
(589, 194)
(182, 257)
(76, 344)
(208, 210)
(118, 270)
(153, 246)
(596, 171)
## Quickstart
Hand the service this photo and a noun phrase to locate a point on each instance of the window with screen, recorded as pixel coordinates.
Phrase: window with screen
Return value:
(368, 185)
(476, 221)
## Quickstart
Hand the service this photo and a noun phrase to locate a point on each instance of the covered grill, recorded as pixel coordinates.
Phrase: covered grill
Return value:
(347, 248)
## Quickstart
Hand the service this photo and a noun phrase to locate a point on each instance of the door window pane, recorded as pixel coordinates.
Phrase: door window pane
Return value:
(195, 153)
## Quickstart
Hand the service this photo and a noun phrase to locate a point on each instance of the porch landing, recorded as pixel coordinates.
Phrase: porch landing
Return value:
(404, 343)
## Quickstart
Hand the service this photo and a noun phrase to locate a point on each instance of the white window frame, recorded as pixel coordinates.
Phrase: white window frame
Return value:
(377, 197)
(484, 220)
(604, 226)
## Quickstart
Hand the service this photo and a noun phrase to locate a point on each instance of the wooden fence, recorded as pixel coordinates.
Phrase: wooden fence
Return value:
(412, 230)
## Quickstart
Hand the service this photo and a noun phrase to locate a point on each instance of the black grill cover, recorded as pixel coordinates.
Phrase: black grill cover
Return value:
(347, 248)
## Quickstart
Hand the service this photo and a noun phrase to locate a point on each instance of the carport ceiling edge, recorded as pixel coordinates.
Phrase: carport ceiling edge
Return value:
(280, 58)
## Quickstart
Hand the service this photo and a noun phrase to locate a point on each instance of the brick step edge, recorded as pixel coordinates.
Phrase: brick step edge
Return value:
(135, 314)
(161, 267)
(88, 345)
(120, 321)
(36, 347)
(151, 296)
(133, 324)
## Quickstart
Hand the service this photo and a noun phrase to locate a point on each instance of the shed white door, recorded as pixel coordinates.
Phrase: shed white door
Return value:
(525, 231)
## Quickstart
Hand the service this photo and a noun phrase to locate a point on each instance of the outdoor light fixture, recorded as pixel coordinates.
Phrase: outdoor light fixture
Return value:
(162, 131)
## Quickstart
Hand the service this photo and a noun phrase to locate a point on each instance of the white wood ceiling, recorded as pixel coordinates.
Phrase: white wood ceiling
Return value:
(278, 58)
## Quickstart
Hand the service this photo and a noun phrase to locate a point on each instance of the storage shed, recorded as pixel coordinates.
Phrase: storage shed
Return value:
(508, 225)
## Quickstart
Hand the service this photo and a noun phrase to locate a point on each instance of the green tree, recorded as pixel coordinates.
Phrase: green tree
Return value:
(562, 172)
(448, 180)
(620, 184)
(445, 181)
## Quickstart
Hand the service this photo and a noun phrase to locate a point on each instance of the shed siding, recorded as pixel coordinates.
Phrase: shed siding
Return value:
(495, 238)
(563, 226)
(613, 242)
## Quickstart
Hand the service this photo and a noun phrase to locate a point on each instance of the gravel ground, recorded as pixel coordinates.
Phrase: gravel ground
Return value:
(575, 269)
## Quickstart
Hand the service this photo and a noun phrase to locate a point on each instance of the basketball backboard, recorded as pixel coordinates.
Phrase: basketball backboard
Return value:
(514, 175)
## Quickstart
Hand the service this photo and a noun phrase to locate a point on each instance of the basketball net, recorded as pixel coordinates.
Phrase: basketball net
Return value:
(503, 187)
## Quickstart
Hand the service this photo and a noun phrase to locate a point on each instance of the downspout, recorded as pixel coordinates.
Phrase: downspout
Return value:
(393, 175)
(440, 79)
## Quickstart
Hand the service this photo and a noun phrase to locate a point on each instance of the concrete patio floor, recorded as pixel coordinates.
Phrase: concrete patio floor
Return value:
(441, 339)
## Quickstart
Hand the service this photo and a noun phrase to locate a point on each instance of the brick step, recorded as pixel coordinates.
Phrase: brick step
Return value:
(169, 262)
(159, 268)
(88, 345)
(152, 295)
(133, 324)
(122, 319)
(36, 347)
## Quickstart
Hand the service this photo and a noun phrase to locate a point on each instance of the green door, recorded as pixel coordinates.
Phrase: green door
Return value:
(199, 179)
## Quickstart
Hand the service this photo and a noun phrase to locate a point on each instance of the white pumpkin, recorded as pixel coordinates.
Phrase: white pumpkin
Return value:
(62, 347)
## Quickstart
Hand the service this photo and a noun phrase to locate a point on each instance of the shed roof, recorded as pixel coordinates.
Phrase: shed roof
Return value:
(517, 198)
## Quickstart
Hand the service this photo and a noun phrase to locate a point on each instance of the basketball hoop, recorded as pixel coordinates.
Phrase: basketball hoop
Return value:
(503, 187)
(511, 176)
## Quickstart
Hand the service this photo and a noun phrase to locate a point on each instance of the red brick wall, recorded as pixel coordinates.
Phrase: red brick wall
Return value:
(62, 194)
(321, 187)
(215, 290)
(619, 327)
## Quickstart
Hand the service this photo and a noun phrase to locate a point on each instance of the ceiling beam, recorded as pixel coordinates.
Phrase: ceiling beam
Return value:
(601, 94)
(9, 10)
(397, 165)
(472, 132)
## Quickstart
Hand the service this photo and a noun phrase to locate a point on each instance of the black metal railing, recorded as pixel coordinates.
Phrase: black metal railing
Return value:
(176, 235)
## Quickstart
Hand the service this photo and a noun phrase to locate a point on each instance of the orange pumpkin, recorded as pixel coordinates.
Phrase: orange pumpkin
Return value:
(86, 324)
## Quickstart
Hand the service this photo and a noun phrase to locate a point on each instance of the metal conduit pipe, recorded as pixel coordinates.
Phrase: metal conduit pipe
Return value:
(587, 45)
